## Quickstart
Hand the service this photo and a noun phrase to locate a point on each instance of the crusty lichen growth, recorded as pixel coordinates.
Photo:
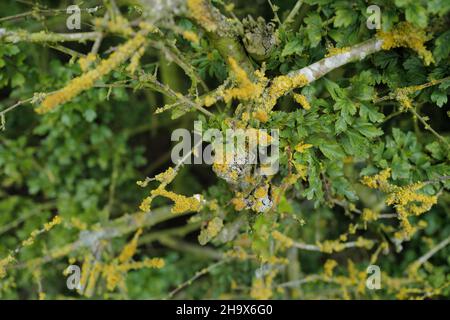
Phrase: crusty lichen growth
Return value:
(407, 200)
(87, 61)
(246, 89)
(10, 258)
(282, 239)
(302, 147)
(302, 100)
(132, 48)
(200, 12)
(4, 263)
(328, 267)
(114, 271)
(191, 36)
(406, 35)
(211, 231)
(129, 249)
(332, 51)
(282, 85)
(181, 203)
(262, 287)
(135, 59)
(87, 80)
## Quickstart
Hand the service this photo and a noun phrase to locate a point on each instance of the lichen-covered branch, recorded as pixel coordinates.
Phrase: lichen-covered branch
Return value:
(117, 228)
(221, 32)
(42, 36)
(328, 64)
(283, 84)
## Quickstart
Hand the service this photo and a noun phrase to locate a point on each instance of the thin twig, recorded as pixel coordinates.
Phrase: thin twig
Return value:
(432, 252)
(293, 12)
(195, 277)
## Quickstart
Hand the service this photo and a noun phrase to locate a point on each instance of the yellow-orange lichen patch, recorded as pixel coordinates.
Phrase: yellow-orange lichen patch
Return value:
(406, 35)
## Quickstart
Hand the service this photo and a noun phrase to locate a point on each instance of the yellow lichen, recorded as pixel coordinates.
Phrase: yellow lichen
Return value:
(364, 243)
(86, 61)
(260, 192)
(262, 287)
(274, 260)
(30, 240)
(120, 25)
(332, 51)
(407, 200)
(87, 80)
(302, 147)
(200, 12)
(145, 204)
(47, 227)
(114, 272)
(181, 203)
(135, 59)
(130, 248)
(378, 181)
(328, 267)
(55, 221)
(301, 99)
(282, 85)
(148, 27)
(260, 136)
(211, 231)
(302, 171)
(214, 227)
(166, 176)
(156, 263)
(191, 36)
(246, 89)
(239, 203)
(209, 101)
(369, 215)
(282, 239)
(261, 116)
(406, 35)
(94, 274)
(330, 246)
(237, 253)
(4, 263)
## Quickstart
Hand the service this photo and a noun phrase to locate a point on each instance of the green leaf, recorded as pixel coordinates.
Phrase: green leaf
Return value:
(347, 106)
(355, 144)
(89, 115)
(331, 149)
(368, 130)
(292, 47)
(417, 15)
(400, 168)
(368, 111)
(442, 49)
(340, 125)
(439, 97)
(334, 90)
(17, 80)
(314, 29)
(344, 18)
(436, 150)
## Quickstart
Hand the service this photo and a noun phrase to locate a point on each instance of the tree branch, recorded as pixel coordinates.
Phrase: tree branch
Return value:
(21, 35)
(222, 33)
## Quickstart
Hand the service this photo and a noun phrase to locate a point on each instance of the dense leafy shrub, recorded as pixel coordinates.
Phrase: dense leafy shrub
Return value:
(364, 151)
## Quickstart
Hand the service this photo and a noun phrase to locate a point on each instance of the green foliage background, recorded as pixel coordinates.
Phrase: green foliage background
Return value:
(84, 159)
